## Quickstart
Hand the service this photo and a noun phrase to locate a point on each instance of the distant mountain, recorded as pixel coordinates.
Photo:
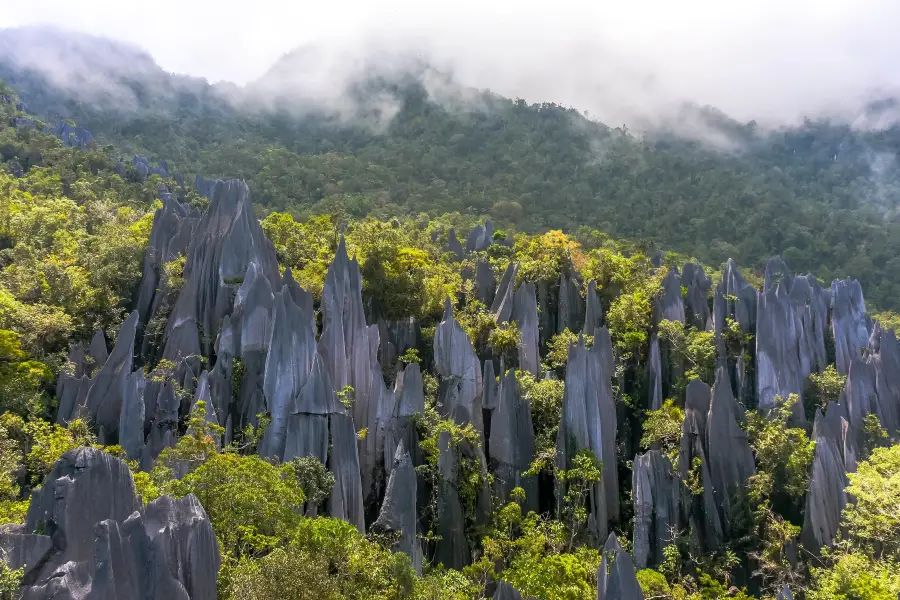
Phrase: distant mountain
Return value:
(388, 135)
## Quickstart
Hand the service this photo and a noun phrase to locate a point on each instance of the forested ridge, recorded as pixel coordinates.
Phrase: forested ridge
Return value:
(199, 404)
(823, 195)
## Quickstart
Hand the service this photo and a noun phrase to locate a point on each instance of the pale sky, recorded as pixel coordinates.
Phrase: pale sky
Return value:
(770, 60)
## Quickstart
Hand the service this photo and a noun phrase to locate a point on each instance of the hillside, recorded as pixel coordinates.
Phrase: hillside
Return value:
(403, 142)
(197, 404)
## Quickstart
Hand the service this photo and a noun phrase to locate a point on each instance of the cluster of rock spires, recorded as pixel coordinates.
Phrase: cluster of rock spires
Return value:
(242, 337)
(71, 136)
(87, 536)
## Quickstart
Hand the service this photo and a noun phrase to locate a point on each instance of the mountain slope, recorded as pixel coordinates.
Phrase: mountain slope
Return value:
(824, 195)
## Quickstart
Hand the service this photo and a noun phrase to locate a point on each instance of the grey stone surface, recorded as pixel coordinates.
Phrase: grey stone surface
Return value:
(398, 511)
(104, 400)
(728, 451)
(291, 352)
(454, 247)
(132, 416)
(616, 577)
(654, 375)
(485, 282)
(654, 492)
(849, 324)
(451, 549)
(825, 497)
(593, 313)
(589, 423)
(778, 337)
(669, 305)
(698, 285)
(226, 240)
(511, 444)
(502, 308)
(505, 591)
(570, 312)
(525, 314)
(460, 371)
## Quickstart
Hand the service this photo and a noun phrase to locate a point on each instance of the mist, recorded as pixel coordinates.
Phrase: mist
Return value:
(635, 64)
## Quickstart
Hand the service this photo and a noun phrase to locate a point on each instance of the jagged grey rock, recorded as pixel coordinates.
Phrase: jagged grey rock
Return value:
(84, 487)
(570, 313)
(480, 238)
(525, 314)
(131, 418)
(97, 354)
(485, 282)
(849, 324)
(70, 135)
(616, 577)
(26, 551)
(588, 423)
(409, 401)
(291, 353)
(698, 284)
(184, 532)
(490, 387)
(455, 361)
(104, 400)
(810, 304)
(728, 451)
(593, 314)
(346, 500)
(778, 336)
(785, 593)
(654, 491)
(654, 375)
(511, 443)
(226, 240)
(884, 353)
(398, 511)
(505, 591)
(825, 496)
(502, 307)
(451, 549)
(103, 544)
(698, 512)
(454, 247)
(396, 338)
(670, 304)
(860, 396)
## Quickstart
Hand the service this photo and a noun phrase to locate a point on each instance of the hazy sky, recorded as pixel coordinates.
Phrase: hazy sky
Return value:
(771, 60)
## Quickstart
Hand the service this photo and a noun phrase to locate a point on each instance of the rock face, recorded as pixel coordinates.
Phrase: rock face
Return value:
(226, 240)
(480, 238)
(825, 497)
(849, 323)
(699, 512)
(670, 304)
(525, 314)
(654, 491)
(616, 577)
(511, 443)
(502, 308)
(71, 136)
(102, 544)
(728, 451)
(593, 313)
(654, 376)
(398, 511)
(570, 314)
(589, 423)
(506, 592)
(697, 285)
(778, 349)
(455, 361)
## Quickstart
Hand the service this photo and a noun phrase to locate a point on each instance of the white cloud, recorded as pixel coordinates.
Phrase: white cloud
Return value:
(768, 60)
